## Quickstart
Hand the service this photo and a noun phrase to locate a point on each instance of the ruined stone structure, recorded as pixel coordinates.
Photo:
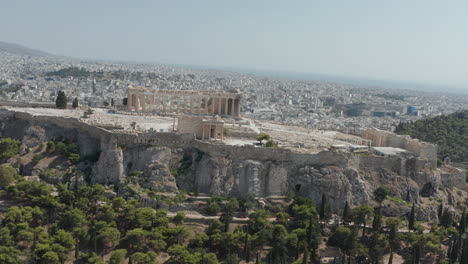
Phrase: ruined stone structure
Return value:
(381, 138)
(142, 99)
(202, 127)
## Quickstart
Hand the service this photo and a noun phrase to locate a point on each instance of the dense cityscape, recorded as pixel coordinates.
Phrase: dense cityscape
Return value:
(312, 104)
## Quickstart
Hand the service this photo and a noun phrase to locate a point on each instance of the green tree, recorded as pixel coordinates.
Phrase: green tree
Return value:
(73, 218)
(141, 258)
(361, 214)
(279, 251)
(136, 239)
(381, 193)
(339, 237)
(9, 255)
(61, 101)
(377, 222)
(8, 148)
(228, 212)
(7, 175)
(209, 258)
(108, 237)
(118, 256)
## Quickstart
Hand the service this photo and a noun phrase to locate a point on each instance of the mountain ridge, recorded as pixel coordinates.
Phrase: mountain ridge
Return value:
(22, 50)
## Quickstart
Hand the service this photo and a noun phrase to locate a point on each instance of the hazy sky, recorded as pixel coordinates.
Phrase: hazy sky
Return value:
(418, 40)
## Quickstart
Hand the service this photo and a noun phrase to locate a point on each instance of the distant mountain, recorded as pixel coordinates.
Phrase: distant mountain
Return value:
(22, 50)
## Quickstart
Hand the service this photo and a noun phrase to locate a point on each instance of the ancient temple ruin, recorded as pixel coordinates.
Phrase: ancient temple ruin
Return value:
(223, 103)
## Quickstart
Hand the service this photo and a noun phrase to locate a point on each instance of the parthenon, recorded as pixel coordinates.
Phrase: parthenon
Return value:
(223, 103)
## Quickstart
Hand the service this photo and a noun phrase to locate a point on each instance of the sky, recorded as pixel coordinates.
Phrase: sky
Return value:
(418, 40)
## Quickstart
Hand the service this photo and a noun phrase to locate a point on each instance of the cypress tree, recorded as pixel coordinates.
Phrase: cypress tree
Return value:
(75, 103)
(453, 250)
(377, 222)
(61, 101)
(462, 224)
(346, 212)
(440, 211)
(323, 206)
(305, 259)
(464, 254)
(411, 220)
(446, 219)
(247, 247)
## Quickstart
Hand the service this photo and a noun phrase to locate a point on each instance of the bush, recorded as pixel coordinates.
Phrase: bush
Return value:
(36, 158)
(270, 144)
(262, 136)
(73, 158)
(179, 218)
(41, 147)
(8, 148)
(50, 146)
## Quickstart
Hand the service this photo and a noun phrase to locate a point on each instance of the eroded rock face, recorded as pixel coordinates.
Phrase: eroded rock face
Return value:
(221, 176)
(157, 177)
(109, 168)
(139, 158)
(338, 184)
(428, 181)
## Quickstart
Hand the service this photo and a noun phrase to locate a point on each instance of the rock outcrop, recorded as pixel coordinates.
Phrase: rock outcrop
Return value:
(169, 161)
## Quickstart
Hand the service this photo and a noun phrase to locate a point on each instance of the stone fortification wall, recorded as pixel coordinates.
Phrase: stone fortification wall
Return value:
(33, 130)
(250, 152)
(393, 163)
(152, 138)
(381, 138)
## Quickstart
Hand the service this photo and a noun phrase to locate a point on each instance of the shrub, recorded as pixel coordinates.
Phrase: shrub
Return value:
(50, 146)
(262, 136)
(36, 158)
(73, 158)
(41, 147)
(270, 144)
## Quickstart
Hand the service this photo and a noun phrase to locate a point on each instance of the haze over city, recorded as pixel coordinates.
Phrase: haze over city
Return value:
(417, 41)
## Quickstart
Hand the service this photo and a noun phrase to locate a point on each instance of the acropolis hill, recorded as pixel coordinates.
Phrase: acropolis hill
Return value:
(204, 144)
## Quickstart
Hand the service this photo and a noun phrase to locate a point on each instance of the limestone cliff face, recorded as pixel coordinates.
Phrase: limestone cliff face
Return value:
(217, 169)
(222, 176)
(109, 168)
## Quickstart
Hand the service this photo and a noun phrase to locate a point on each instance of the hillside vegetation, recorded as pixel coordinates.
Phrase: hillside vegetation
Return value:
(449, 132)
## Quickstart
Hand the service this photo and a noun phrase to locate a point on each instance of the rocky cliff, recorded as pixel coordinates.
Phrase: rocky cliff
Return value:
(169, 161)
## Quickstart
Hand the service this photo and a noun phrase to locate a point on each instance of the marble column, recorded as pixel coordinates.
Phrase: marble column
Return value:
(226, 100)
(232, 106)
